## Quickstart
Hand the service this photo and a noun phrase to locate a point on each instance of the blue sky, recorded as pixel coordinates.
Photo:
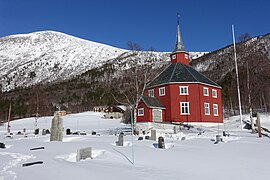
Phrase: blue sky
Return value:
(205, 24)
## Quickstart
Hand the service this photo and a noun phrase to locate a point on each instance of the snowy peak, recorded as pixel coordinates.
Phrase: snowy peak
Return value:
(46, 56)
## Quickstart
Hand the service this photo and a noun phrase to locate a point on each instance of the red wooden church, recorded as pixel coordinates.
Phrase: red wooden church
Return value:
(180, 93)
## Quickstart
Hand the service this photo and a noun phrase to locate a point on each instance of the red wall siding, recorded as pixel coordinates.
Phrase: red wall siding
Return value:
(148, 116)
(192, 98)
(182, 57)
(211, 100)
(147, 113)
(196, 100)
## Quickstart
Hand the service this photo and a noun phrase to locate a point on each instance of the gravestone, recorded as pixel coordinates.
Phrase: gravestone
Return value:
(83, 133)
(43, 132)
(68, 132)
(36, 131)
(48, 131)
(218, 138)
(94, 133)
(140, 138)
(19, 133)
(161, 143)
(57, 128)
(32, 163)
(174, 130)
(153, 135)
(84, 153)
(2, 146)
(120, 141)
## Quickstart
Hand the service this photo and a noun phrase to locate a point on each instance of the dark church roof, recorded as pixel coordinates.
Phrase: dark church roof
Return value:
(180, 73)
(152, 102)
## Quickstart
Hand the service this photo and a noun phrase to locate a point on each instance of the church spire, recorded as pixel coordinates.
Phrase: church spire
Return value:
(178, 44)
(179, 53)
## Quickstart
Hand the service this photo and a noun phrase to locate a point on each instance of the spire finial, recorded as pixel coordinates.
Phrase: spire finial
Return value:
(178, 44)
(178, 19)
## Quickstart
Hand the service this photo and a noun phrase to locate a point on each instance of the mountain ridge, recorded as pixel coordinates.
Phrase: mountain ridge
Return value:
(47, 56)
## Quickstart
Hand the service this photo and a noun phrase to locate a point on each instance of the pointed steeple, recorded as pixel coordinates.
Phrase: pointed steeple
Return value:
(178, 44)
(179, 53)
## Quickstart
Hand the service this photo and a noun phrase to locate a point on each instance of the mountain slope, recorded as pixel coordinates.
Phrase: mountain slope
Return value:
(49, 56)
(221, 62)
(253, 59)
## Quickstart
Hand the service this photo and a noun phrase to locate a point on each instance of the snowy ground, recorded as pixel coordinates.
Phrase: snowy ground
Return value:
(195, 157)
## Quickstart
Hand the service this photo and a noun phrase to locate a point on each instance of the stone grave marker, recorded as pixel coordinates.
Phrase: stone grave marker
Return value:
(84, 153)
(57, 128)
(43, 132)
(153, 135)
(2, 146)
(36, 131)
(68, 132)
(161, 143)
(120, 141)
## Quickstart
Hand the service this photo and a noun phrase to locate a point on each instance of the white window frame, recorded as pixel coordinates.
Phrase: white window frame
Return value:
(207, 90)
(214, 95)
(160, 91)
(151, 93)
(215, 109)
(141, 112)
(186, 56)
(207, 107)
(183, 105)
(183, 87)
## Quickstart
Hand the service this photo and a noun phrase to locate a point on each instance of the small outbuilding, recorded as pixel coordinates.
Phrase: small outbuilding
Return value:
(99, 108)
(114, 112)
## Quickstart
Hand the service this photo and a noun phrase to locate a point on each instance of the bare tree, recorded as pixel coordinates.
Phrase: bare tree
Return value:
(134, 76)
(243, 38)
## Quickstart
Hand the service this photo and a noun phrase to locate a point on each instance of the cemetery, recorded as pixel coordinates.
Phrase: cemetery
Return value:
(105, 148)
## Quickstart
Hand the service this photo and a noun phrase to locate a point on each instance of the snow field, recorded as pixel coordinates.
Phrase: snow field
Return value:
(189, 155)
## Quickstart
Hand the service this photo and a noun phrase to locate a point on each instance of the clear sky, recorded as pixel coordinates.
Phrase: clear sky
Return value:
(205, 24)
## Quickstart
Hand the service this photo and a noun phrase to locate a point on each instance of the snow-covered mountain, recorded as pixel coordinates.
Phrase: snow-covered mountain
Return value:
(219, 63)
(49, 56)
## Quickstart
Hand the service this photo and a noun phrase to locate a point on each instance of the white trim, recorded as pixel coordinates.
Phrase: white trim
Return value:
(206, 94)
(214, 90)
(163, 84)
(184, 113)
(141, 113)
(160, 91)
(184, 87)
(215, 107)
(206, 106)
(151, 93)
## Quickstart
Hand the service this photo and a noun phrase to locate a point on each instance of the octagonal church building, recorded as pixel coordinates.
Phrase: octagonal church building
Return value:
(180, 94)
